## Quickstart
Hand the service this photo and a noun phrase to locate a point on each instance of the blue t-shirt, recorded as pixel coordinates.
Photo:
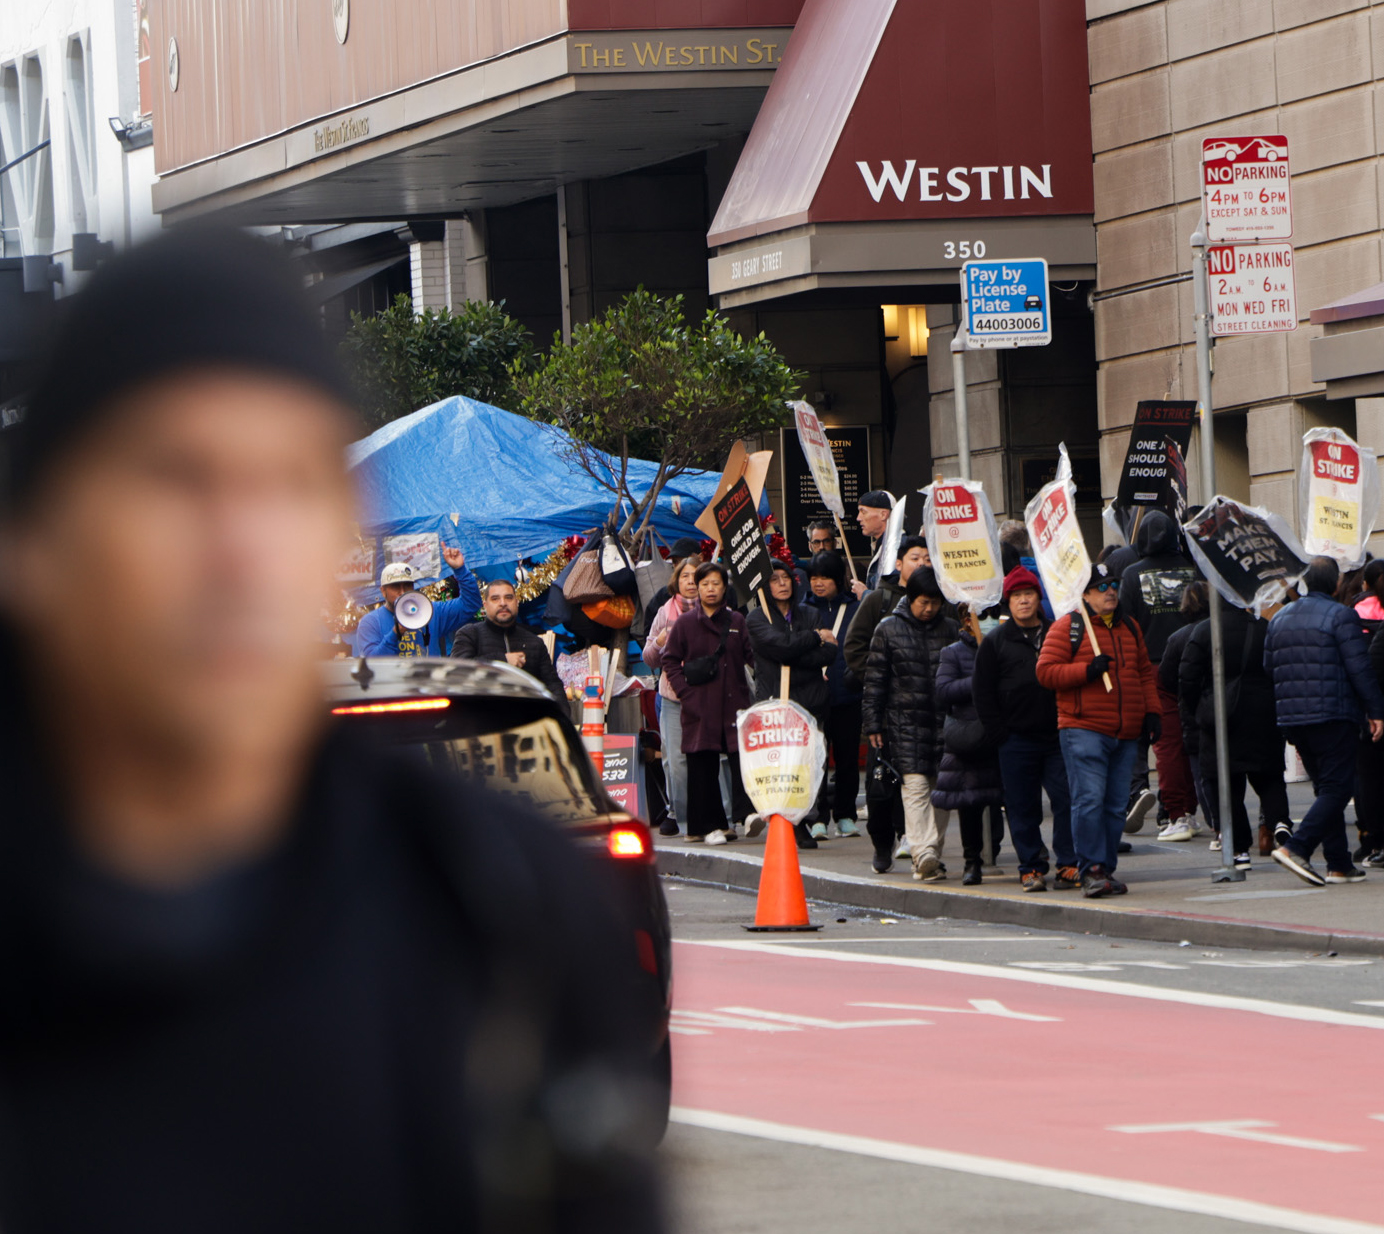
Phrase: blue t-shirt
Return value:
(379, 635)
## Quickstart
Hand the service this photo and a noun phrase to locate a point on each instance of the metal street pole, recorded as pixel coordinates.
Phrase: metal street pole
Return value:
(963, 424)
(1201, 296)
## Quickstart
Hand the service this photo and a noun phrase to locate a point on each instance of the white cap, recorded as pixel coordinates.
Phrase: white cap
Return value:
(398, 572)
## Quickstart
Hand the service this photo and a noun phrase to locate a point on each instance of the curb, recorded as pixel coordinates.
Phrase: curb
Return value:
(1159, 926)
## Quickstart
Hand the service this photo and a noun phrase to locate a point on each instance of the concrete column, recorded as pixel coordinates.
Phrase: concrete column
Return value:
(471, 268)
(428, 275)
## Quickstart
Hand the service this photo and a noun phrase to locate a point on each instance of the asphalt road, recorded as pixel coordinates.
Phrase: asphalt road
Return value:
(895, 1074)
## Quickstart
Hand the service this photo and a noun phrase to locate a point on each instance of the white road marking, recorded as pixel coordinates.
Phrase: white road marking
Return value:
(710, 1019)
(1067, 981)
(1119, 1189)
(1256, 895)
(935, 938)
(1369, 1002)
(979, 1006)
(1243, 1129)
(809, 1021)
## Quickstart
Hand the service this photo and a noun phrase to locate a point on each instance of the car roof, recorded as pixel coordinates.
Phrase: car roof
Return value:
(401, 676)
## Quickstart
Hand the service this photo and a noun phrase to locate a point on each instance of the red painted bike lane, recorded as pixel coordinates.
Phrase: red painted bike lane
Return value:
(1224, 1101)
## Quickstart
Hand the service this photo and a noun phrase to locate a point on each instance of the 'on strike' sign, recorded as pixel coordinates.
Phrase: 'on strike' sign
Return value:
(1253, 290)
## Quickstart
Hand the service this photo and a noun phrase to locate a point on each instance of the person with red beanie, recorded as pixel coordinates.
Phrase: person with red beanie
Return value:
(1021, 716)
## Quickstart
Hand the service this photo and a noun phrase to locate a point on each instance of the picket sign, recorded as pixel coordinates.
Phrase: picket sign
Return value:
(822, 463)
(1060, 549)
(1338, 491)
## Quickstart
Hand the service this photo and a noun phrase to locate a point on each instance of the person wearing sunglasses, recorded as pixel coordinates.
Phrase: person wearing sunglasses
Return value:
(1099, 728)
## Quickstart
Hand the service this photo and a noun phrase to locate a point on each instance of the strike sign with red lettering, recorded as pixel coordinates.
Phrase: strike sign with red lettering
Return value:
(963, 544)
(1058, 545)
(820, 460)
(1246, 189)
(1339, 495)
(782, 758)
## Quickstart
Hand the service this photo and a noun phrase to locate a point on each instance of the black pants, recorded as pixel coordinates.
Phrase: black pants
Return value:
(1328, 752)
(1369, 793)
(705, 812)
(971, 820)
(843, 736)
(885, 822)
(1268, 787)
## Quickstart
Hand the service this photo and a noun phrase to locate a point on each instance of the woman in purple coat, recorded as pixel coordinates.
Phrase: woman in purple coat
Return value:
(711, 638)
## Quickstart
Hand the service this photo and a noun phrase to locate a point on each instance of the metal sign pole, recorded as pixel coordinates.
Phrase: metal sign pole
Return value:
(1201, 294)
(963, 424)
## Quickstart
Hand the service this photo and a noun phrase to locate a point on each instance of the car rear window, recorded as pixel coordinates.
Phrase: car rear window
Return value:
(514, 747)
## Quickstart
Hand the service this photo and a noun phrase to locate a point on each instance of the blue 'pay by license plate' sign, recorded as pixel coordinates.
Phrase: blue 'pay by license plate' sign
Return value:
(1006, 303)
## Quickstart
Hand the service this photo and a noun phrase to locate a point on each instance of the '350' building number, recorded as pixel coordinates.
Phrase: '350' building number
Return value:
(963, 249)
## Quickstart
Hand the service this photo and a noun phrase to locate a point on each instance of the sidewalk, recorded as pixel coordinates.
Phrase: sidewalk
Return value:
(1171, 895)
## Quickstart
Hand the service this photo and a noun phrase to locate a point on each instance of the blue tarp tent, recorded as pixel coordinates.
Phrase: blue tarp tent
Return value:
(495, 483)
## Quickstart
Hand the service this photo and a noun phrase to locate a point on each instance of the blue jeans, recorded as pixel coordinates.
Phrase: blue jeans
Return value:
(1328, 752)
(1028, 766)
(1098, 771)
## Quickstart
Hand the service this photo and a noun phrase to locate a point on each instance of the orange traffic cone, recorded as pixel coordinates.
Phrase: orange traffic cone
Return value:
(782, 903)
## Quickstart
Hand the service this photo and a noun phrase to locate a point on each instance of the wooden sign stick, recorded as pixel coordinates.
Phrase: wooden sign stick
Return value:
(846, 548)
(1095, 646)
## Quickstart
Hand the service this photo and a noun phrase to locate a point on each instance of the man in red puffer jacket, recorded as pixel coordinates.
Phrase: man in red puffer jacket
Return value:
(1100, 729)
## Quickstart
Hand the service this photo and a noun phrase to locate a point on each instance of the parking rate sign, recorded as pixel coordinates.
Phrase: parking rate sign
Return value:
(1006, 303)
(1253, 290)
(1246, 189)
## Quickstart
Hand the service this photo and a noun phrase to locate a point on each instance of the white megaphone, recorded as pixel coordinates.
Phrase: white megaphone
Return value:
(413, 610)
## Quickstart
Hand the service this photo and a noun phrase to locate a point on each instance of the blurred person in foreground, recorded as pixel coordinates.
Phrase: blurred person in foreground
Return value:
(258, 976)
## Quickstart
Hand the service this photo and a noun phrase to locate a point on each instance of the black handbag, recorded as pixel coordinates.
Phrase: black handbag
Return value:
(963, 737)
(703, 670)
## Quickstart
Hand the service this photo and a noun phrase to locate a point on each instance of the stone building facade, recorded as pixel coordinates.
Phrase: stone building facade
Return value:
(1165, 75)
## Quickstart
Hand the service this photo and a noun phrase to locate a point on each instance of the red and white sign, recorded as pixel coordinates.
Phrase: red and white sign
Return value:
(820, 459)
(782, 758)
(1253, 290)
(961, 539)
(1245, 189)
(1058, 545)
(1339, 496)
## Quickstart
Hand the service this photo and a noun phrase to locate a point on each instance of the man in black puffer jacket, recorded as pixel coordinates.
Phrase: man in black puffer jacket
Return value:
(900, 715)
(501, 638)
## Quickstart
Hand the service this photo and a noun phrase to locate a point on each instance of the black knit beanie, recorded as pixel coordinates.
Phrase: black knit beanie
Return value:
(193, 298)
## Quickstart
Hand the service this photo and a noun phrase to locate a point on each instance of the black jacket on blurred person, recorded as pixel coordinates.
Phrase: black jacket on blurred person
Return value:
(257, 976)
(387, 1024)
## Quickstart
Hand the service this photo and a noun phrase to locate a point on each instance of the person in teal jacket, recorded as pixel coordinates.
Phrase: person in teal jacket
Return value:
(378, 634)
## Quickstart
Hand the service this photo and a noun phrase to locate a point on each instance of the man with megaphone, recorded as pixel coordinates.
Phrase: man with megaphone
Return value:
(408, 623)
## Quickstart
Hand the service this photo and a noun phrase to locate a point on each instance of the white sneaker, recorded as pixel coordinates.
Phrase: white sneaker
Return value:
(1134, 820)
(715, 837)
(754, 825)
(901, 849)
(1216, 842)
(1177, 831)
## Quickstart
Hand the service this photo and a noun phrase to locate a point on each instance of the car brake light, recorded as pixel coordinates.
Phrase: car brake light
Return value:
(407, 704)
(627, 842)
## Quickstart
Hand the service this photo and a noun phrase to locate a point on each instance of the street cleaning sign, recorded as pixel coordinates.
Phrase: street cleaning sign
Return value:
(1246, 189)
(962, 541)
(1339, 496)
(1253, 289)
(782, 758)
(1005, 303)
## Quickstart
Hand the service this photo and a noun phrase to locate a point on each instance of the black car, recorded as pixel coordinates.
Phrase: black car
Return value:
(497, 725)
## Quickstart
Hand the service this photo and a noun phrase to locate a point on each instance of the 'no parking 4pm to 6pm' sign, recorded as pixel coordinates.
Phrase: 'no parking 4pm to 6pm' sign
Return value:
(1006, 303)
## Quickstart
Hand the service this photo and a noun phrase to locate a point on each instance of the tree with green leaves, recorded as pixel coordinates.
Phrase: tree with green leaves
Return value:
(400, 362)
(640, 382)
